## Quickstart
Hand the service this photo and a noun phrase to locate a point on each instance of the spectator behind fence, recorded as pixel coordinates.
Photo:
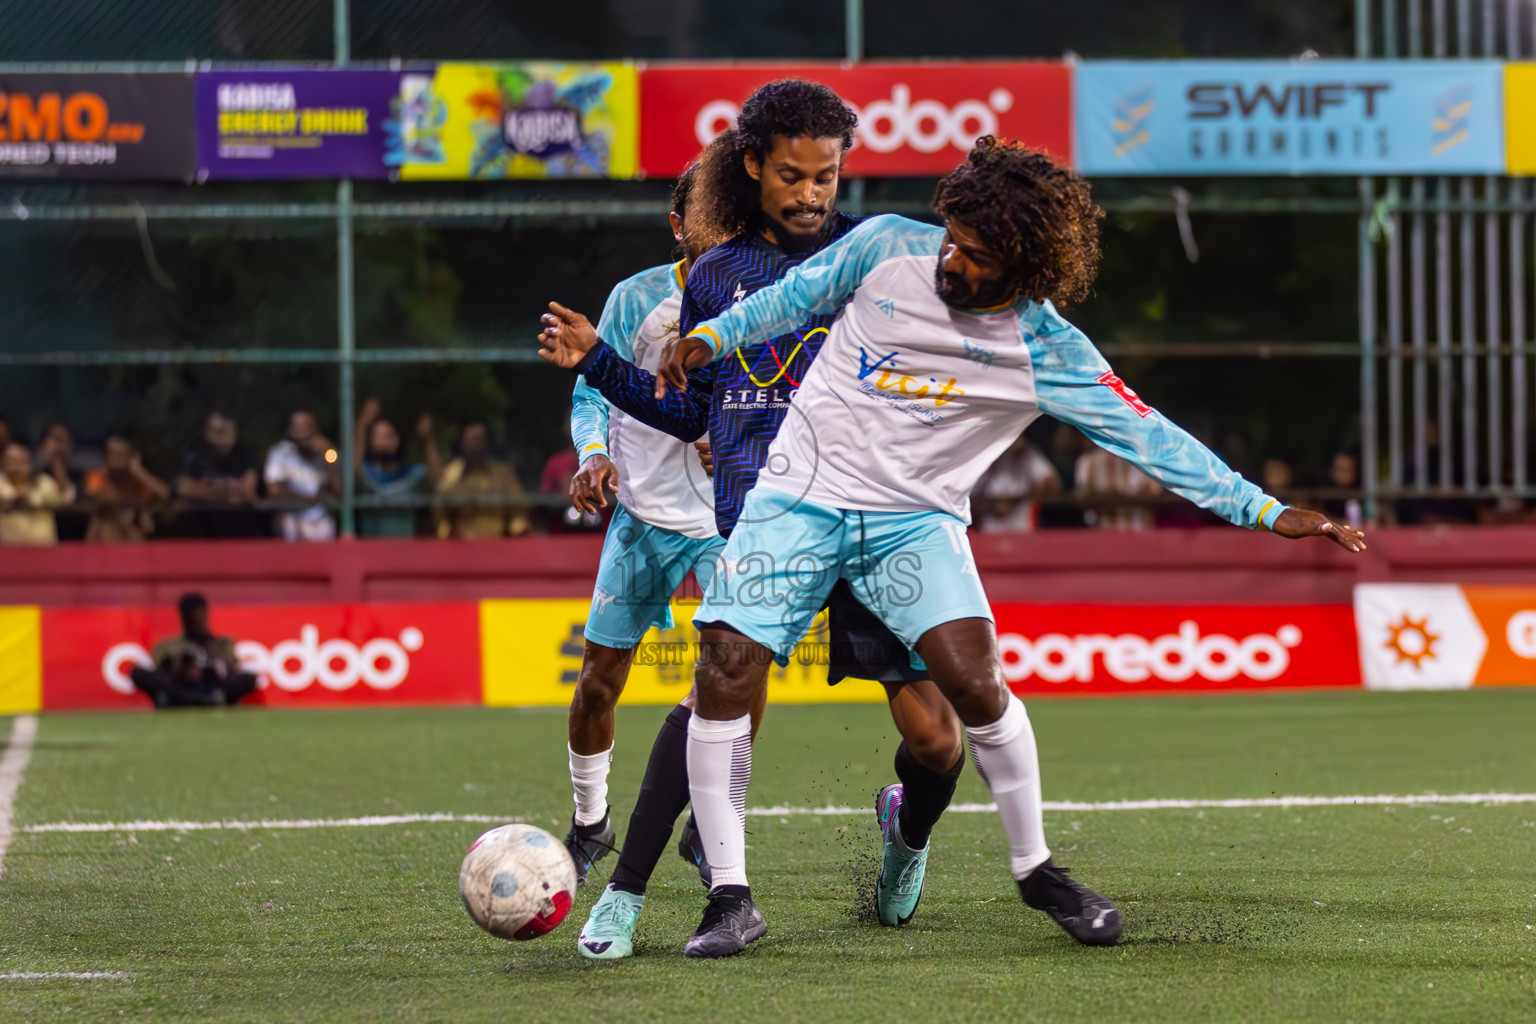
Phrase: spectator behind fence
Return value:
(123, 494)
(382, 470)
(218, 481)
(5, 433)
(303, 465)
(1007, 496)
(195, 669)
(1102, 474)
(28, 498)
(556, 477)
(473, 476)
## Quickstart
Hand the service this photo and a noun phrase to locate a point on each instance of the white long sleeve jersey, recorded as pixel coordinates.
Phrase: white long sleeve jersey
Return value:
(911, 400)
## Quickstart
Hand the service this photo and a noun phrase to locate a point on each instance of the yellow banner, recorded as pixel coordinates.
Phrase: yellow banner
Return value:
(531, 655)
(1520, 118)
(21, 660)
(527, 120)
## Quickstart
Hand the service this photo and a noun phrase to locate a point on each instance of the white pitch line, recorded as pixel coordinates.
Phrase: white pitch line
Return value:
(63, 976)
(12, 766)
(786, 811)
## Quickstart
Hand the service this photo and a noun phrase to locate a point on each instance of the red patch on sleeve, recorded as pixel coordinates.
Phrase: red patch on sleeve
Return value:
(1129, 397)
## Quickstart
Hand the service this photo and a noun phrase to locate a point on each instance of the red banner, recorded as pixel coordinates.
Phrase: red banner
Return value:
(1071, 649)
(306, 655)
(917, 119)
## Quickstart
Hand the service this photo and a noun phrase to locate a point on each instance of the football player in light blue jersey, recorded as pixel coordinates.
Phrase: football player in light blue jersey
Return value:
(947, 347)
(662, 528)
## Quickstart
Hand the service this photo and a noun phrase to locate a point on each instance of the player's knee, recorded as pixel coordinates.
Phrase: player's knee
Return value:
(979, 697)
(724, 684)
(598, 687)
(937, 743)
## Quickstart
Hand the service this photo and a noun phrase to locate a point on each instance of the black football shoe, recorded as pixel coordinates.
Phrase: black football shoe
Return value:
(691, 848)
(730, 925)
(588, 844)
(1082, 913)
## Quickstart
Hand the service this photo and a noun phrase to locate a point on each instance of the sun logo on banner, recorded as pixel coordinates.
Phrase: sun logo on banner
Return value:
(1130, 121)
(1411, 640)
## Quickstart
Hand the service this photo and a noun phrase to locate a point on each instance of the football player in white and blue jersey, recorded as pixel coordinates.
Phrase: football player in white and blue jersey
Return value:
(948, 346)
(663, 528)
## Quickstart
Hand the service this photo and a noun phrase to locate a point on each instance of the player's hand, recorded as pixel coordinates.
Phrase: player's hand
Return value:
(589, 486)
(706, 456)
(677, 358)
(1296, 523)
(567, 336)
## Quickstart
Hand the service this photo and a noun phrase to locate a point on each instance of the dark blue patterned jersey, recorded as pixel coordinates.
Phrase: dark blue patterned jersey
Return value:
(739, 402)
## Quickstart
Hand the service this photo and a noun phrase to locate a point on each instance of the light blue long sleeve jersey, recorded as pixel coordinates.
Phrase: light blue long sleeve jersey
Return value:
(661, 479)
(911, 400)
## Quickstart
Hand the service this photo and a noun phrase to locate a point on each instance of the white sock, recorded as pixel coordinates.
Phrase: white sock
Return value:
(719, 768)
(589, 778)
(1006, 759)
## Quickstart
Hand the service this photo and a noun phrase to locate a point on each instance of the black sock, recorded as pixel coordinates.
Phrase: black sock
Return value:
(663, 795)
(925, 795)
(740, 892)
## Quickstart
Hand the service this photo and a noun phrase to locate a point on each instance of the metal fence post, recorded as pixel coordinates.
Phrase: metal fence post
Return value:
(346, 324)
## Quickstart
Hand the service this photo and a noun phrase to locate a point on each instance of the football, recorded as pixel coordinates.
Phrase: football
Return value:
(517, 882)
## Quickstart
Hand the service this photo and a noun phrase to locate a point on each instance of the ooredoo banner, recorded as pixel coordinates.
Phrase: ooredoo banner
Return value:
(308, 655)
(293, 124)
(1273, 117)
(1445, 636)
(914, 119)
(121, 126)
(526, 120)
(1067, 649)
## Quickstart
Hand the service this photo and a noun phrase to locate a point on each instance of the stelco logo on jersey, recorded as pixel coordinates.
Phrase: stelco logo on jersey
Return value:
(310, 655)
(913, 118)
(1312, 117)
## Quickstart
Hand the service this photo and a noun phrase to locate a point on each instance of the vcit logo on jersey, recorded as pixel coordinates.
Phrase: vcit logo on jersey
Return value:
(382, 663)
(892, 379)
(1171, 658)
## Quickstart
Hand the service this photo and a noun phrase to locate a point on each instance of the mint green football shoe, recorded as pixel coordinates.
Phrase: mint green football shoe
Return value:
(900, 886)
(609, 933)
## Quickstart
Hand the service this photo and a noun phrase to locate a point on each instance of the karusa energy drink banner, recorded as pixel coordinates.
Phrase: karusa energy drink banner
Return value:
(293, 124)
(1314, 117)
(914, 119)
(530, 120)
(127, 127)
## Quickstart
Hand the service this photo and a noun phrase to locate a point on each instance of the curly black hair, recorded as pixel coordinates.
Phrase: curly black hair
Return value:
(1038, 215)
(730, 199)
(682, 190)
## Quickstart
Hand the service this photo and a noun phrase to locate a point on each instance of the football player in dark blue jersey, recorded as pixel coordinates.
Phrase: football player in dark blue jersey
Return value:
(770, 184)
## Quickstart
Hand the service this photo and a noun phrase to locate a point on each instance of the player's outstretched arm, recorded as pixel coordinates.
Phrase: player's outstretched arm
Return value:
(1297, 523)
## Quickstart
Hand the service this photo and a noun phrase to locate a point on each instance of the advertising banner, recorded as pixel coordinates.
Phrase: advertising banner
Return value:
(1444, 636)
(532, 656)
(1271, 117)
(120, 126)
(914, 119)
(21, 670)
(293, 124)
(1075, 649)
(311, 656)
(526, 120)
(1520, 118)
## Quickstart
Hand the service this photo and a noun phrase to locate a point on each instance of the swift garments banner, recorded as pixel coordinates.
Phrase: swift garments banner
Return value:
(304, 655)
(1273, 117)
(97, 126)
(917, 119)
(1074, 649)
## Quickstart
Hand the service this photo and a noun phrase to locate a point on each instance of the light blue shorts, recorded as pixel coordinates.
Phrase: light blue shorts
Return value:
(641, 568)
(913, 570)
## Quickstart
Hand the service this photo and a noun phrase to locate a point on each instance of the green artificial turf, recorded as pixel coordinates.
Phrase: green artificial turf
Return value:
(1323, 913)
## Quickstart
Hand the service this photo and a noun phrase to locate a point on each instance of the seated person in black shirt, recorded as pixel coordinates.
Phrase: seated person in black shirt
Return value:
(195, 669)
(218, 479)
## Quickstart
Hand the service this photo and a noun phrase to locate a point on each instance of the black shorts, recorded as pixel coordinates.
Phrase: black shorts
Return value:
(861, 646)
